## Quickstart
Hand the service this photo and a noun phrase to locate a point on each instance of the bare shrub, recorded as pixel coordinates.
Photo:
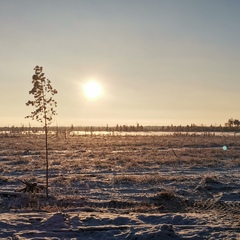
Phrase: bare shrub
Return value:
(170, 201)
(209, 179)
(31, 187)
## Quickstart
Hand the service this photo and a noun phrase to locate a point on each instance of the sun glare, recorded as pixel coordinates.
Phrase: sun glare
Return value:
(92, 90)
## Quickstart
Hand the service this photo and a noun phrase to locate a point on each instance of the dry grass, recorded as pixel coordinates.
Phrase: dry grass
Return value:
(149, 180)
(121, 153)
(103, 167)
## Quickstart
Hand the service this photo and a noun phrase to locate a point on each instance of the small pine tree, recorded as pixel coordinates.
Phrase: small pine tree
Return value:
(45, 106)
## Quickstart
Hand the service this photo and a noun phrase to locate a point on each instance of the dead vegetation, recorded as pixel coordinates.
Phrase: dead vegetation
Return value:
(31, 187)
(138, 173)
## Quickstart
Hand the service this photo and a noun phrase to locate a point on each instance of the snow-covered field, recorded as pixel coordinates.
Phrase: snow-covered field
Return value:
(122, 187)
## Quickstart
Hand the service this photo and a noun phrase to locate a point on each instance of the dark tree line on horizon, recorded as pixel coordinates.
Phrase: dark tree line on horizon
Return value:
(231, 126)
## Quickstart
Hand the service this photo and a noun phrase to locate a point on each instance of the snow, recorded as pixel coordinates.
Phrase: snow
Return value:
(122, 187)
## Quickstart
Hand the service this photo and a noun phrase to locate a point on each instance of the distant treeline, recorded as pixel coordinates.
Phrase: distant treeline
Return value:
(231, 126)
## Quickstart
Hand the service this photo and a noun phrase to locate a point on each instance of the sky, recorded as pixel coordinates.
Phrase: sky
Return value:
(159, 62)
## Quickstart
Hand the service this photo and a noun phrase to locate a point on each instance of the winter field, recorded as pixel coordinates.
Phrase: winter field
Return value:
(179, 186)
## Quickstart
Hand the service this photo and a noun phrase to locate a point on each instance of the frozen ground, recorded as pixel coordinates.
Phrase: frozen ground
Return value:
(122, 187)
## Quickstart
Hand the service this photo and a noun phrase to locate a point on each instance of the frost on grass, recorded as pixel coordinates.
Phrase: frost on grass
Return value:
(121, 187)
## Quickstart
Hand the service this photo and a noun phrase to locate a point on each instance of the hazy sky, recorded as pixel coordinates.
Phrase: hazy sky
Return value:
(159, 61)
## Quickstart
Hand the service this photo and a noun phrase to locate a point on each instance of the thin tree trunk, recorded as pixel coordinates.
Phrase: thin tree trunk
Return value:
(46, 145)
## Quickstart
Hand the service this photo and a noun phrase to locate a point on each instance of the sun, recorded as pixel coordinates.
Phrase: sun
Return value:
(92, 89)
